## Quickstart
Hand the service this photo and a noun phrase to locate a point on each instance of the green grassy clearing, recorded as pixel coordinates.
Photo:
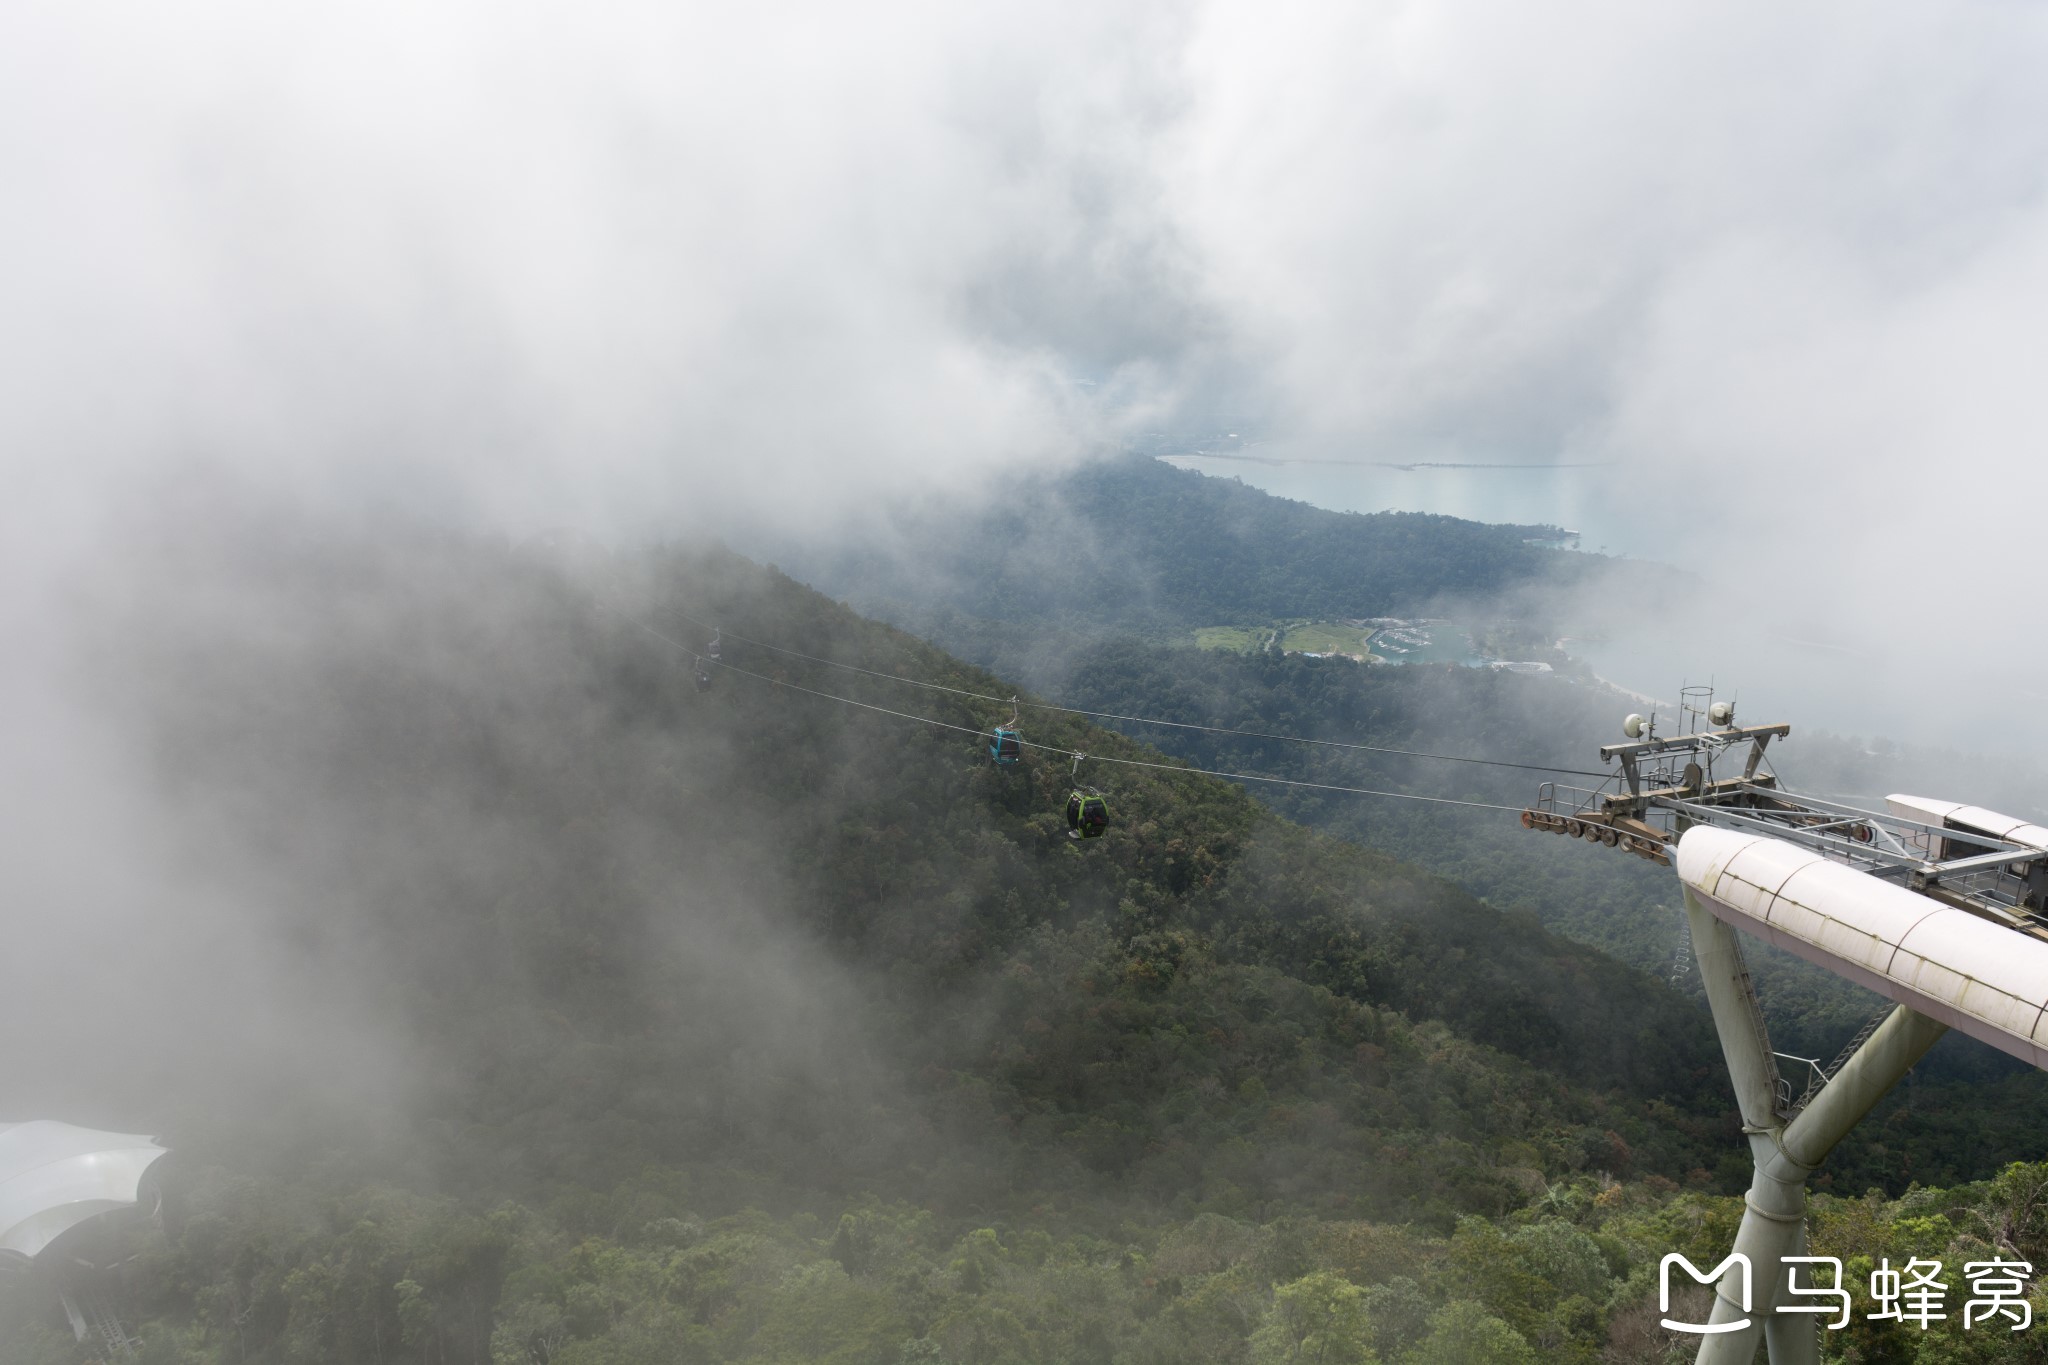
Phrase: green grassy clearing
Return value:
(1236, 639)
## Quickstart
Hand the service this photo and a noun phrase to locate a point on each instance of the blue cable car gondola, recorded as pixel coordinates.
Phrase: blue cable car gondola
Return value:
(1006, 745)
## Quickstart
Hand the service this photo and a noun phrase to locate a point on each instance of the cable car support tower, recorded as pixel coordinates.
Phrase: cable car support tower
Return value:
(1942, 908)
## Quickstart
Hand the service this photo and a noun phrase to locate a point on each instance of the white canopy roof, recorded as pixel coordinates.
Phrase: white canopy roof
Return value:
(1975, 976)
(1956, 815)
(54, 1176)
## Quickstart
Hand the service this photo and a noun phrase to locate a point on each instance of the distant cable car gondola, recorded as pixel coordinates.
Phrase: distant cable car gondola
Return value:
(1006, 745)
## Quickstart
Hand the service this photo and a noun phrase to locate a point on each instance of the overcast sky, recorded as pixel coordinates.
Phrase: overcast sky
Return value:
(640, 265)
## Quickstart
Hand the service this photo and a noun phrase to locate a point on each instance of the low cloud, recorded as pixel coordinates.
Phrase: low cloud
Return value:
(645, 269)
(1786, 270)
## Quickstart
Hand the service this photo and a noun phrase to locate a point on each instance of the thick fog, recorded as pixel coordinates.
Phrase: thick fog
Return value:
(628, 270)
(1784, 270)
(642, 269)
(633, 263)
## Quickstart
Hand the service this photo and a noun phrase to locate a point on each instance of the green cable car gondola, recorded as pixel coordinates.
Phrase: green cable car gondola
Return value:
(1087, 814)
(1087, 810)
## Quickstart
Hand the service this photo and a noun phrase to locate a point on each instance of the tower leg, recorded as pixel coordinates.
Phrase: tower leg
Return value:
(1773, 1216)
(79, 1326)
(1793, 1338)
(1785, 1154)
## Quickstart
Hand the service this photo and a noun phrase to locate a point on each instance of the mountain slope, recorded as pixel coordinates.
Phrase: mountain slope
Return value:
(1970, 1108)
(626, 1021)
(1171, 549)
(1134, 543)
(554, 923)
(490, 704)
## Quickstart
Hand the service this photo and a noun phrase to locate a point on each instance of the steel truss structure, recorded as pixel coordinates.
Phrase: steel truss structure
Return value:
(1941, 908)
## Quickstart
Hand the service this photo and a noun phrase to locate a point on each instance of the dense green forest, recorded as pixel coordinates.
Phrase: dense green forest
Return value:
(740, 1024)
(1965, 1109)
(647, 958)
(1967, 1106)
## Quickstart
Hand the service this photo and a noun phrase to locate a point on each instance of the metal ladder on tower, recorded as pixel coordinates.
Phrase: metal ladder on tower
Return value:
(92, 1317)
(1822, 1075)
(1681, 962)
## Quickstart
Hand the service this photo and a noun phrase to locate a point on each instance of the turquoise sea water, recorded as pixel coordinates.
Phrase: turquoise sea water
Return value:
(1428, 642)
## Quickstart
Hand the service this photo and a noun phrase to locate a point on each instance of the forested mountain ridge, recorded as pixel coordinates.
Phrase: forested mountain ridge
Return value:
(1131, 542)
(1968, 1109)
(742, 1025)
(632, 953)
